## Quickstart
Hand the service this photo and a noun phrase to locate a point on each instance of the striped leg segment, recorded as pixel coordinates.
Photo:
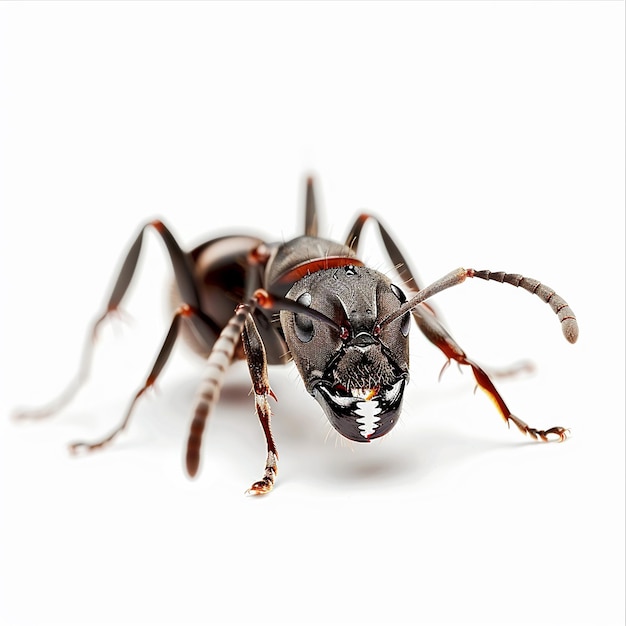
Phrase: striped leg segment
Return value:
(218, 362)
(240, 327)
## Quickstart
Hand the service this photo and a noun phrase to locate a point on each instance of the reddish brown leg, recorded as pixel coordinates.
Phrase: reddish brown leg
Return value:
(427, 320)
(439, 336)
(257, 365)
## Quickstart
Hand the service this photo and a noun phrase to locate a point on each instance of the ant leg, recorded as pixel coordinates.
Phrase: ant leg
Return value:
(310, 210)
(65, 397)
(217, 364)
(241, 327)
(207, 330)
(185, 313)
(399, 261)
(397, 258)
(439, 336)
(257, 365)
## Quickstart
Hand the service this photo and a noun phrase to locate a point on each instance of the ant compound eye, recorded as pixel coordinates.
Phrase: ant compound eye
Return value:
(398, 293)
(303, 323)
(405, 324)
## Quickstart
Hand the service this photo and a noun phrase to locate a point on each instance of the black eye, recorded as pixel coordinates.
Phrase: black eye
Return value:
(405, 324)
(398, 293)
(303, 323)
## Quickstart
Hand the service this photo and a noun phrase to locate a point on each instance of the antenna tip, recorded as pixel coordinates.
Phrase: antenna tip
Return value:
(192, 463)
(570, 329)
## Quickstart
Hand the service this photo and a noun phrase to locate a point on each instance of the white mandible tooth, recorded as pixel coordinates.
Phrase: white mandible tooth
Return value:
(369, 420)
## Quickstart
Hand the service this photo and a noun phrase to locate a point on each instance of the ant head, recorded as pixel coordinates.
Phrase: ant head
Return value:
(356, 367)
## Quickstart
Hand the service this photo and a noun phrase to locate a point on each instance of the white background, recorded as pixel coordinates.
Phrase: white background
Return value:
(485, 135)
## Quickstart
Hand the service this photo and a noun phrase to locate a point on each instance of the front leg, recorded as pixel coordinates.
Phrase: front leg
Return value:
(439, 336)
(257, 365)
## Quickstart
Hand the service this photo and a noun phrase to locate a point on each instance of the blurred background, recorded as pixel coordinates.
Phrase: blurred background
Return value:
(486, 135)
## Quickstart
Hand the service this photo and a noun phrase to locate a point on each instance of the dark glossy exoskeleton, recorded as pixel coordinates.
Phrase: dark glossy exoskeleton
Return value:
(345, 326)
